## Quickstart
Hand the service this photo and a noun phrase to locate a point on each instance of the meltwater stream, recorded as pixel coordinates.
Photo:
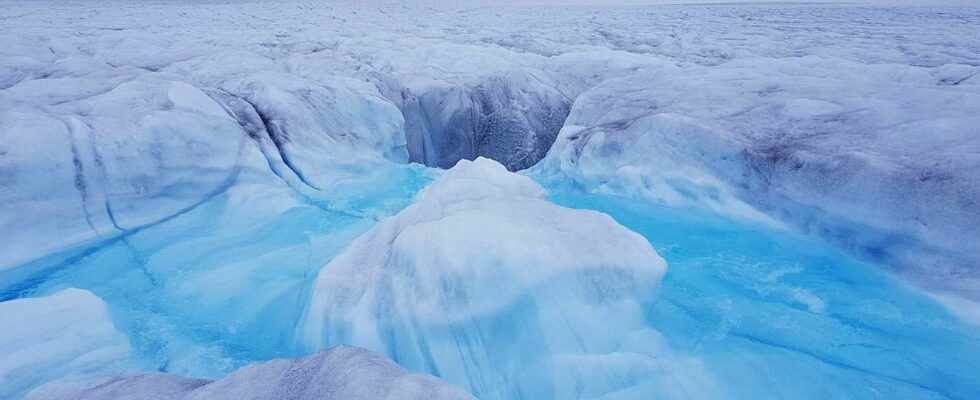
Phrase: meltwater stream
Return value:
(766, 313)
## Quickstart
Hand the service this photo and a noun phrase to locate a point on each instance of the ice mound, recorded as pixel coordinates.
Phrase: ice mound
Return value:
(44, 338)
(488, 285)
(341, 373)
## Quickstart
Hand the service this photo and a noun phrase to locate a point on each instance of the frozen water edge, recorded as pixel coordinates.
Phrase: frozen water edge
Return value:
(878, 159)
(751, 304)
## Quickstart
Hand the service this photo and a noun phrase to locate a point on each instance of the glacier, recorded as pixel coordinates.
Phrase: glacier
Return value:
(214, 199)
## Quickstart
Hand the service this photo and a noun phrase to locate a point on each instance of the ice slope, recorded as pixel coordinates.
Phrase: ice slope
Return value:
(44, 338)
(70, 177)
(94, 159)
(340, 373)
(486, 284)
(881, 159)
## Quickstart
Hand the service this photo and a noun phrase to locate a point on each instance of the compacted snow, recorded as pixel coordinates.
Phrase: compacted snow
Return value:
(711, 201)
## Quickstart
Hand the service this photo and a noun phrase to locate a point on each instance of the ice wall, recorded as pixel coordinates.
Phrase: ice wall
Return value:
(463, 102)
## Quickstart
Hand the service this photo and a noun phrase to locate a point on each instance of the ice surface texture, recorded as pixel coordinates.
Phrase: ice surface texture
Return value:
(341, 373)
(151, 148)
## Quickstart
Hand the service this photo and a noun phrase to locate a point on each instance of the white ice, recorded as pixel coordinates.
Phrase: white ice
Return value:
(67, 333)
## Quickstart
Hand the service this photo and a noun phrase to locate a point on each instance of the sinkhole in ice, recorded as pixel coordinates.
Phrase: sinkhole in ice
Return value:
(512, 118)
(742, 311)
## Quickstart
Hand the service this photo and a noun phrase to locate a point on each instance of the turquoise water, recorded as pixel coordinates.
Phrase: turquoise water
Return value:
(777, 315)
(770, 314)
(218, 287)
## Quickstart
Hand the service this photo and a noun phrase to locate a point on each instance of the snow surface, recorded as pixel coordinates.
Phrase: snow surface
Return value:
(195, 165)
(341, 373)
(68, 332)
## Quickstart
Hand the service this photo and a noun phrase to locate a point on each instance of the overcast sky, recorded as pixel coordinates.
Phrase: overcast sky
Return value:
(642, 2)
